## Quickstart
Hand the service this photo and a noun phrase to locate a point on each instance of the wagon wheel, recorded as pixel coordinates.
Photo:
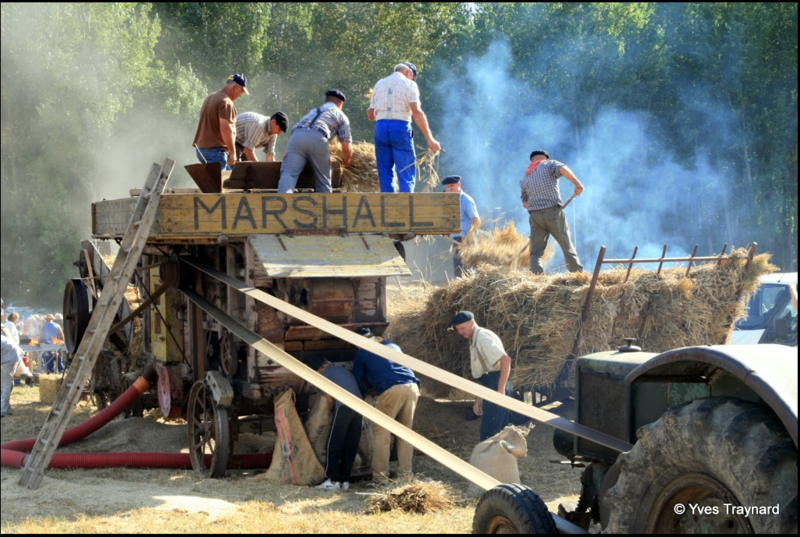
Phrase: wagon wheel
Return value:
(76, 313)
(106, 383)
(209, 432)
(512, 508)
(227, 354)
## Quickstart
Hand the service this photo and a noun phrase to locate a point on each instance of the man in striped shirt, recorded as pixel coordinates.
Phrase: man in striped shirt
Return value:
(394, 101)
(309, 143)
(540, 195)
(254, 130)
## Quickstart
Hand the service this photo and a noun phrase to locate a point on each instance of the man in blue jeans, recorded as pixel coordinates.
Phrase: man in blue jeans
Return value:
(215, 140)
(394, 101)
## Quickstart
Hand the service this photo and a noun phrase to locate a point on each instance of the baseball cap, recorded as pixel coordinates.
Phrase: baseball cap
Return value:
(281, 119)
(460, 318)
(316, 361)
(336, 93)
(451, 180)
(412, 67)
(241, 80)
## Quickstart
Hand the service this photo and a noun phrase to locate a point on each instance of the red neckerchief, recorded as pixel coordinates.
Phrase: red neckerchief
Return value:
(533, 166)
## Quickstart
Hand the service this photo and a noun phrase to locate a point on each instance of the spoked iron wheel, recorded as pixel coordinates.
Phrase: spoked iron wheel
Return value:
(76, 313)
(209, 432)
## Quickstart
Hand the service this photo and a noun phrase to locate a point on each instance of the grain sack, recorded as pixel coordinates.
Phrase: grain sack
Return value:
(293, 460)
(48, 388)
(497, 456)
(318, 426)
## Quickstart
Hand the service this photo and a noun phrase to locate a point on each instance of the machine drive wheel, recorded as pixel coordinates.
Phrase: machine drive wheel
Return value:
(209, 432)
(699, 457)
(76, 313)
(512, 508)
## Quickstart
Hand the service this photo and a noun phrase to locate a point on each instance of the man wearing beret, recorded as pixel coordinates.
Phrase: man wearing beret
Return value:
(470, 222)
(215, 140)
(254, 130)
(540, 195)
(396, 390)
(394, 101)
(491, 366)
(309, 143)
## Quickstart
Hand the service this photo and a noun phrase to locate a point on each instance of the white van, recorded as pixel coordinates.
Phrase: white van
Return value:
(771, 313)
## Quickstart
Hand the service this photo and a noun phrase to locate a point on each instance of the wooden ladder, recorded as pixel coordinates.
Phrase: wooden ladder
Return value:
(80, 370)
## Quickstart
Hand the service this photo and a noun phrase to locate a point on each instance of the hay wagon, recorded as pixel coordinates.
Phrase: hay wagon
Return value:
(327, 254)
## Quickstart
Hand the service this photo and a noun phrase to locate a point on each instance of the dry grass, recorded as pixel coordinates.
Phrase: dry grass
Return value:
(420, 497)
(537, 316)
(503, 247)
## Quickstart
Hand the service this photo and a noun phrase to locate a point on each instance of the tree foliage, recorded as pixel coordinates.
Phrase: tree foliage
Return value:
(712, 86)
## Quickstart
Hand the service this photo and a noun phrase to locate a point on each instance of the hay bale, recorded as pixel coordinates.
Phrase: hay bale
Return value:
(48, 388)
(537, 316)
(420, 497)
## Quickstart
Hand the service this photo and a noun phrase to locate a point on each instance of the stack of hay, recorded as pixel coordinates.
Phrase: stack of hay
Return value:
(537, 316)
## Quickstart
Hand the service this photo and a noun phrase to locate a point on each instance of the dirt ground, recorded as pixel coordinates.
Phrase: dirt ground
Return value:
(76, 494)
(72, 494)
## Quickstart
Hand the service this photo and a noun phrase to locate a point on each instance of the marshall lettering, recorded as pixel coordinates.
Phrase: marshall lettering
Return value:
(276, 213)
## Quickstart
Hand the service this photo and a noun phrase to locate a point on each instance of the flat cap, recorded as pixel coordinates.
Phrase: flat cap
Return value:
(336, 93)
(451, 180)
(462, 317)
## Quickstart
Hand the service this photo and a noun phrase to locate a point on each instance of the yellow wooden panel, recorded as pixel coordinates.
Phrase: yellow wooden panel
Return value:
(204, 215)
(331, 256)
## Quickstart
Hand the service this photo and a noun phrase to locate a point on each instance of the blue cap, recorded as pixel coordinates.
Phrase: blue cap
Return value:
(412, 67)
(241, 80)
(451, 180)
(336, 93)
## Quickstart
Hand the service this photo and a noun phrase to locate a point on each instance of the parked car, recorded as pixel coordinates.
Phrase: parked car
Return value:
(771, 313)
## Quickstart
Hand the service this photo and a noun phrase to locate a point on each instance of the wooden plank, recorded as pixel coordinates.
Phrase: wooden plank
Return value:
(265, 175)
(314, 256)
(187, 215)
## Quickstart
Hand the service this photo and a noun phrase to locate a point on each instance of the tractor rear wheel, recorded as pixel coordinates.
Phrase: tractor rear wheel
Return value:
(715, 465)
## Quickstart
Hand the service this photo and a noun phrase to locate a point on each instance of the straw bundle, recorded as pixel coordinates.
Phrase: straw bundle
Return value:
(362, 175)
(503, 247)
(537, 316)
(422, 497)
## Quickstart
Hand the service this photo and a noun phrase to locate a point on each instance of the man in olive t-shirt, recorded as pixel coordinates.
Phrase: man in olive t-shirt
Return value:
(216, 132)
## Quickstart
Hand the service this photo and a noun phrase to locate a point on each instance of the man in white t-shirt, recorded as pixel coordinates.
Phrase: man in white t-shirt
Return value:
(394, 101)
(490, 366)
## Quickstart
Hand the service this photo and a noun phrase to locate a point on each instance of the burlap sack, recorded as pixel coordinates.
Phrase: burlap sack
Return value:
(293, 460)
(318, 425)
(497, 456)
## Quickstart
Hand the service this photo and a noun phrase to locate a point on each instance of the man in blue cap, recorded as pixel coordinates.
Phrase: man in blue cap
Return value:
(310, 141)
(490, 366)
(215, 140)
(470, 222)
(396, 391)
(394, 101)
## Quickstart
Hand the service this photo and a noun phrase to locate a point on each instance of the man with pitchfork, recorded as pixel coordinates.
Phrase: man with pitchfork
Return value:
(542, 199)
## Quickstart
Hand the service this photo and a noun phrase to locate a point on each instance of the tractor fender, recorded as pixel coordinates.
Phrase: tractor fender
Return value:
(769, 370)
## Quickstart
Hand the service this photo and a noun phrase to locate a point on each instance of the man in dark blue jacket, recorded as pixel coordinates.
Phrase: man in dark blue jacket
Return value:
(396, 391)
